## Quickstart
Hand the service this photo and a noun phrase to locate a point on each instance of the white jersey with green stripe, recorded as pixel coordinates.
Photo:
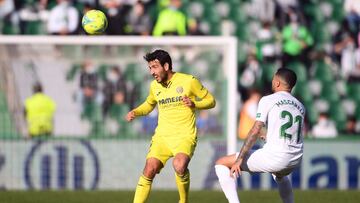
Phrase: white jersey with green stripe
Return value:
(283, 116)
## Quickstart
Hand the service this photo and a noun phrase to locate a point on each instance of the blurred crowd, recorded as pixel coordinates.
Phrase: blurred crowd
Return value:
(318, 39)
(125, 17)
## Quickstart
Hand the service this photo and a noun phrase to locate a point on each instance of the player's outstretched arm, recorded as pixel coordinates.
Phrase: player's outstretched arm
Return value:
(207, 102)
(253, 135)
(144, 109)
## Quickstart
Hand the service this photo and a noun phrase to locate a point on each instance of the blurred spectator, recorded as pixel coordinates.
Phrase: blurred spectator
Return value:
(32, 15)
(63, 19)
(116, 14)
(250, 75)
(193, 27)
(344, 48)
(352, 12)
(7, 8)
(171, 21)
(117, 112)
(138, 21)
(114, 89)
(89, 85)
(266, 43)
(283, 9)
(296, 39)
(285, 4)
(352, 127)
(354, 75)
(265, 10)
(325, 127)
(89, 3)
(248, 113)
(39, 111)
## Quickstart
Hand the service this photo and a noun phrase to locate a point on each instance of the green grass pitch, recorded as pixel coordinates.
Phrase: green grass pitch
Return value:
(308, 196)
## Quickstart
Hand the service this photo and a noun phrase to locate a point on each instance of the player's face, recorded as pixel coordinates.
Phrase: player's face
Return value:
(158, 71)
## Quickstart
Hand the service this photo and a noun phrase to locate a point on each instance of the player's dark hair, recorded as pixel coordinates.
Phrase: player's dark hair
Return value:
(288, 76)
(160, 55)
(37, 88)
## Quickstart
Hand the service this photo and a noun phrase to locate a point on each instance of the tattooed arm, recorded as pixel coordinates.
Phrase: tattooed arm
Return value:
(253, 134)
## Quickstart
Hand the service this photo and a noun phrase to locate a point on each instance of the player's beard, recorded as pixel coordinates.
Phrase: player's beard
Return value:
(161, 78)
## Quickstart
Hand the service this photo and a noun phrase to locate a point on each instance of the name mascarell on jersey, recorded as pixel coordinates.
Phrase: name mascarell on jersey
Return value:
(290, 102)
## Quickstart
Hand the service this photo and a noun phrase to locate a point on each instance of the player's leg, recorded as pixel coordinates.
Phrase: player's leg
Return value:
(183, 152)
(285, 188)
(182, 176)
(263, 160)
(152, 167)
(158, 154)
(227, 183)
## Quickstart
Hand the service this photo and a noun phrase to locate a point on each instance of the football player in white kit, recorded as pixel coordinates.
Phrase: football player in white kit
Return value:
(283, 115)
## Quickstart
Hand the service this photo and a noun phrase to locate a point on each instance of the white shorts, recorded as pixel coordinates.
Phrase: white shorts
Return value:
(266, 161)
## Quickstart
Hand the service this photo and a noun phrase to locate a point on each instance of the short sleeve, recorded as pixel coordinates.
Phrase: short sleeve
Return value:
(197, 88)
(263, 110)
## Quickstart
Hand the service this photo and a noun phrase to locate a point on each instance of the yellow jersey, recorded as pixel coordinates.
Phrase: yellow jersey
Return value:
(40, 110)
(176, 120)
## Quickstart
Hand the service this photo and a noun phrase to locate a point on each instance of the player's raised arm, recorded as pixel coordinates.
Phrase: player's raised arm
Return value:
(144, 109)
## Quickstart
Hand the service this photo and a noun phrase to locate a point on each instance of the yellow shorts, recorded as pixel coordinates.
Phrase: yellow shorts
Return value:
(163, 149)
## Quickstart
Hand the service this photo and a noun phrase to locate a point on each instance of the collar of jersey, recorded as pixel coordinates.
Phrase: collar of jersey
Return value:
(169, 83)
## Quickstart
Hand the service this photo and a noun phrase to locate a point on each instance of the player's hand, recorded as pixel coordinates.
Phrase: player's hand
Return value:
(187, 101)
(235, 170)
(130, 116)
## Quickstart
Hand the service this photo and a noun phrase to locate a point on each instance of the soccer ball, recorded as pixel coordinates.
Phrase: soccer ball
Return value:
(94, 22)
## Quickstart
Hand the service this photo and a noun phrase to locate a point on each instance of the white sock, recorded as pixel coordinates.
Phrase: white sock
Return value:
(285, 189)
(227, 183)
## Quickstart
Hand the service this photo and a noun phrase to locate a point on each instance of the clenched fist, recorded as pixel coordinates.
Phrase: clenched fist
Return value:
(187, 101)
(130, 116)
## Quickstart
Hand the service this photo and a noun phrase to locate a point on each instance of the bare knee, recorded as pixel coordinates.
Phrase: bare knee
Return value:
(179, 167)
(220, 161)
(180, 164)
(152, 167)
(226, 160)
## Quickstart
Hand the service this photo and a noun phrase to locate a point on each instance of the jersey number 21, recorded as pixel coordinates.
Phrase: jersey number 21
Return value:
(289, 123)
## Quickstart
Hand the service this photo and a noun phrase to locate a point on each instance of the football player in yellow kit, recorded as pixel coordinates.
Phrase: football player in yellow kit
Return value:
(177, 95)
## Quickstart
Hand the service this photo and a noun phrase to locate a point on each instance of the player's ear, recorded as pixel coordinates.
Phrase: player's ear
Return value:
(278, 83)
(166, 66)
